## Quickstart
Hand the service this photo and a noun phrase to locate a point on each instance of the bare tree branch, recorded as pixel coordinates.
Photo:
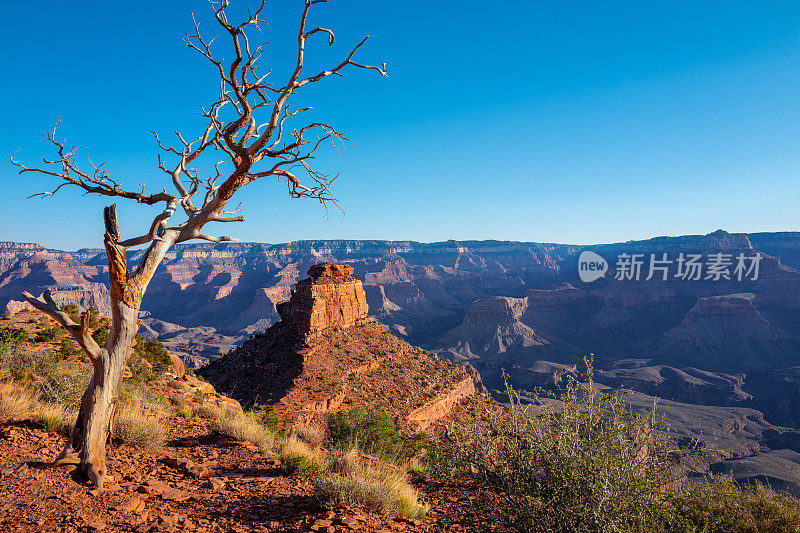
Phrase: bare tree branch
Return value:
(80, 332)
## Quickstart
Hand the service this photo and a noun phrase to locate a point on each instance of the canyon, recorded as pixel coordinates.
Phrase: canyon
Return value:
(721, 354)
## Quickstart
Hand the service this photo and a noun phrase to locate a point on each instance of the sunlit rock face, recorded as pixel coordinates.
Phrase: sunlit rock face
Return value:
(330, 298)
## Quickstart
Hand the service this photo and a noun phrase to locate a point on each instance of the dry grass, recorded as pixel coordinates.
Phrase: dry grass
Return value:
(243, 428)
(17, 402)
(51, 416)
(311, 435)
(377, 489)
(209, 412)
(298, 458)
(346, 464)
(135, 428)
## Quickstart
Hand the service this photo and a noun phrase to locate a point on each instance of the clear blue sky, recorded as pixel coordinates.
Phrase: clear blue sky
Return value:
(547, 121)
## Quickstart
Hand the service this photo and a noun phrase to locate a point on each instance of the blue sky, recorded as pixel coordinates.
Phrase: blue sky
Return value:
(571, 122)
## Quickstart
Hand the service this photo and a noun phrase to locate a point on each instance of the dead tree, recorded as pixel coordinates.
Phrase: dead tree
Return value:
(247, 121)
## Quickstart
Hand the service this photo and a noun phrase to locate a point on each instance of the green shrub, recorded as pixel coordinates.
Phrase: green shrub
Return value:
(270, 420)
(149, 359)
(718, 504)
(100, 335)
(73, 312)
(51, 333)
(68, 349)
(373, 431)
(587, 464)
(13, 336)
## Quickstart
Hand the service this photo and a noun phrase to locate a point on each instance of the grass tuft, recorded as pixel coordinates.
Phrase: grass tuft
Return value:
(243, 428)
(17, 402)
(135, 428)
(297, 458)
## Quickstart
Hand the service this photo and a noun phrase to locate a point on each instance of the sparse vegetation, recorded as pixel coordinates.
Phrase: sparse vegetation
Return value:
(297, 458)
(586, 463)
(375, 488)
(243, 428)
(373, 431)
(133, 427)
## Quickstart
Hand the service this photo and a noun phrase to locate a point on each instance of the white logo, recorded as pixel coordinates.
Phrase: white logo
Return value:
(591, 266)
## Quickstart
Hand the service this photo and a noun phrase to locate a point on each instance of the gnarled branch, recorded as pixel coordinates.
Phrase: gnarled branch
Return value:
(80, 332)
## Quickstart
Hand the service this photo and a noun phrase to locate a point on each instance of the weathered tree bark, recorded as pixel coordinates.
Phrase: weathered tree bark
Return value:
(249, 141)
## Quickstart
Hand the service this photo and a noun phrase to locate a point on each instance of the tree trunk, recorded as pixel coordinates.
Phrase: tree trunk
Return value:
(86, 446)
(87, 443)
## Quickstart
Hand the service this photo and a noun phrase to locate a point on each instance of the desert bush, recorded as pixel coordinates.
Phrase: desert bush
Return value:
(584, 464)
(100, 335)
(19, 363)
(73, 312)
(51, 333)
(378, 490)
(719, 504)
(297, 458)
(372, 430)
(135, 428)
(270, 420)
(243, 428)
(149, 359)
(65, 387)
(68, 349)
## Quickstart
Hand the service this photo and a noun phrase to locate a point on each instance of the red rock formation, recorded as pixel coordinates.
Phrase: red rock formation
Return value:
(330, 298)
(326, 354)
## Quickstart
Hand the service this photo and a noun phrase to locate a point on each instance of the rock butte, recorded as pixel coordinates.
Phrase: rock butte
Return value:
(327, 354)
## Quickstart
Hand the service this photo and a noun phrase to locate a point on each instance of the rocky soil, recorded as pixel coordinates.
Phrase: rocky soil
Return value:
(196, 482)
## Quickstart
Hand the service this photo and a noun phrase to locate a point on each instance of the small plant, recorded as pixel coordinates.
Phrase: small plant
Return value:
(100, 335)
(50, 417)
(297, 458)
(243, 428)
(377, 489)
(73, 312)
(133, 427)
(68, 349)
(373, 431)
(270, 420)
(50, 334)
